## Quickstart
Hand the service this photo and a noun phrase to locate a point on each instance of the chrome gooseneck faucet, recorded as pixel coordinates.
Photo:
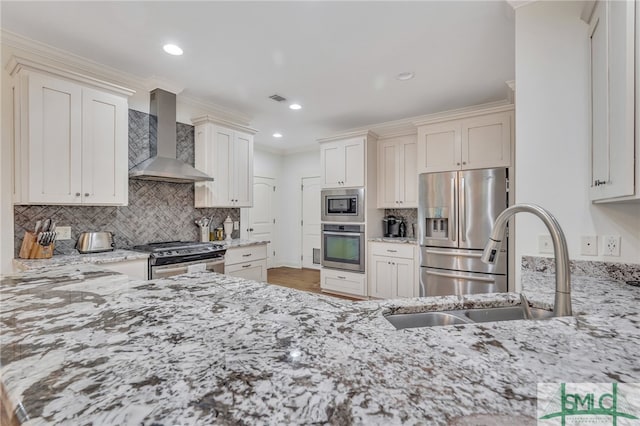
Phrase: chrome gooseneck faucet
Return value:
(562, 304)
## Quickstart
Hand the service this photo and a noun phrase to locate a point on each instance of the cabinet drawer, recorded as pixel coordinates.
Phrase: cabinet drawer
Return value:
(343, 282)
(402, 250)
(245, 254)
(254, 270)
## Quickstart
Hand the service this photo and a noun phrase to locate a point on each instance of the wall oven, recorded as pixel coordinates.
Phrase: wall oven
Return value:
(343, 205)
(343, 247)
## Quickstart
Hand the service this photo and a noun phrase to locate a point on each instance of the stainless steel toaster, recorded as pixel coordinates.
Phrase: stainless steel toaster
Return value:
(95, 242)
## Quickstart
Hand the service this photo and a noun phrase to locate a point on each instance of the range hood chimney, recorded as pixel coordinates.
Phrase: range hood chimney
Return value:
(164, 166)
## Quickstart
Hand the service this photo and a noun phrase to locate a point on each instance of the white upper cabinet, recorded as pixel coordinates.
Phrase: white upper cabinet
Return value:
(343, 163)
(71, 140)
(397, 174)
(226, 154)
(613, 81)
(475, 142)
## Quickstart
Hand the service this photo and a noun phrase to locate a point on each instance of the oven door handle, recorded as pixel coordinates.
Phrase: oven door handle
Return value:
(341, 234)
(165, 270)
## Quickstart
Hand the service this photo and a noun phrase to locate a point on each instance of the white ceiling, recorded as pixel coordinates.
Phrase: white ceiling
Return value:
(338, 59)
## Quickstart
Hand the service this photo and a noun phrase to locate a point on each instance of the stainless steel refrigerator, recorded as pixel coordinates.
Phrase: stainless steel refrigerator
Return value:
(456, 211)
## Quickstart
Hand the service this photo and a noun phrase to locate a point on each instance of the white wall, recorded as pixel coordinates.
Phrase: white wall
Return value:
(294, 168)
(552, 134)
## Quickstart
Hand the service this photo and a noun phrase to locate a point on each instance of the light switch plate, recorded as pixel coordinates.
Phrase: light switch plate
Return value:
(63, 233)
(589, 245)
(545, 244)
(236, 225)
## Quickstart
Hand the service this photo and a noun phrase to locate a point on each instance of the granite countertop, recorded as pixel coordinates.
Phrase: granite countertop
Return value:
(400, 240)
(242, 243)
(83, 345)
(118, 255)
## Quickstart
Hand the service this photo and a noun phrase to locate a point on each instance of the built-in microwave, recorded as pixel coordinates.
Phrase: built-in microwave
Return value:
(343, 205)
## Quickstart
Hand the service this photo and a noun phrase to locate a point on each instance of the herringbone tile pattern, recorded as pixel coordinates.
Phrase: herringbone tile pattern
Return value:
(157, 211)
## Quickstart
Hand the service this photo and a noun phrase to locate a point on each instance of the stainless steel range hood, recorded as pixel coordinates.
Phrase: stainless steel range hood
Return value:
(163, 165)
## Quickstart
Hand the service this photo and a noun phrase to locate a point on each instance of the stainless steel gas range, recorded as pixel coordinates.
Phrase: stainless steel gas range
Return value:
(171, 258)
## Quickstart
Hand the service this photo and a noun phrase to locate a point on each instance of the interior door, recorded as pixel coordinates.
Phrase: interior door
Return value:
(260, 219)
(311, 208)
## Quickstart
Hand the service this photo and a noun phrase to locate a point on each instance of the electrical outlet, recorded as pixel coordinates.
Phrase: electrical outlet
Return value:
(589, 245)
(236, 225)
(63, 233)
(611, 245)
(545, 244)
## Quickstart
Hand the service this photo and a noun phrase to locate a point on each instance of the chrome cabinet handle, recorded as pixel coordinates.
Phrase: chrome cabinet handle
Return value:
(342, 278)
(392, 251)
(246, 266)
(77, 194)
(248, 254)
(86, 194)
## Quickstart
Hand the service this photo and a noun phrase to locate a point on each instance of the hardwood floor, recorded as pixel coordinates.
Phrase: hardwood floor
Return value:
(300, 279)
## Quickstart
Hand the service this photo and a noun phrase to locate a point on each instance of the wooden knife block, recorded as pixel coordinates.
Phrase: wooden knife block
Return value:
(32, 250)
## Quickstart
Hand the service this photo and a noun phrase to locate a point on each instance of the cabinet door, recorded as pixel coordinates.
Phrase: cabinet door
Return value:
(332, 164)
(612, 100)
(405, 278)
(387, 175)
(54, 141)
(382, 277)
(407, 175)
(439, 147)
(486, 141)
(242, 170)
(223, 169)
(104, 148)
(353, 150)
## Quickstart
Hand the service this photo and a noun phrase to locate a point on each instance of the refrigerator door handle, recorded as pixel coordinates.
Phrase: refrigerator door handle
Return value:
(463, 212)
(453, 253)
(474, 278)
(453, 228)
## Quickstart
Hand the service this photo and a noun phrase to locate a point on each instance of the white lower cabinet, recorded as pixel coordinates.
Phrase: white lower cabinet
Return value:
(351, 283)
(248, 262)
(136, 268)
(392, 270)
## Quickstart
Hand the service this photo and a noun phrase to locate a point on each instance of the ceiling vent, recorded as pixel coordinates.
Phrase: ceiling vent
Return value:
(277, 98)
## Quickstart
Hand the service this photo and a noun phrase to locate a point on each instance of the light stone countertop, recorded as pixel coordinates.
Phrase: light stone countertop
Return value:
(118, 255)
(84, 345)
(397, 240)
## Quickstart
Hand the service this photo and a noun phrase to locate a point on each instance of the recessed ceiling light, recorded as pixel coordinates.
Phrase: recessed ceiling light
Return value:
(172, 49)
(405, 76)
(295, 106)
(277, 135)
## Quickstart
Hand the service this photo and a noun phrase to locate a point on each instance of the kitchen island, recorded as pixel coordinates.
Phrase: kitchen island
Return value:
(81, 344)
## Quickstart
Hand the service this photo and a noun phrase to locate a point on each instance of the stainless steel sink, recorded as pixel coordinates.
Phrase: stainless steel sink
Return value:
(507, 313)
(466, 316)
(427, 319)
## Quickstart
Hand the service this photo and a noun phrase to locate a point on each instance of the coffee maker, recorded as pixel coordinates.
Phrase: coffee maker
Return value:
(391, 226)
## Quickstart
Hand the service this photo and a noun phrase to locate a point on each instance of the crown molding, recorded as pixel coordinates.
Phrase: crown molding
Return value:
(58, 58)
(454, 114)
(203, 119)
(222, 113)
(516, 4)
(351, 134)
(18, 63)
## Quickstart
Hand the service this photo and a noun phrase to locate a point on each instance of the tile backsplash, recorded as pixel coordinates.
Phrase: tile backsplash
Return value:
(410, 218)
(157, 211)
